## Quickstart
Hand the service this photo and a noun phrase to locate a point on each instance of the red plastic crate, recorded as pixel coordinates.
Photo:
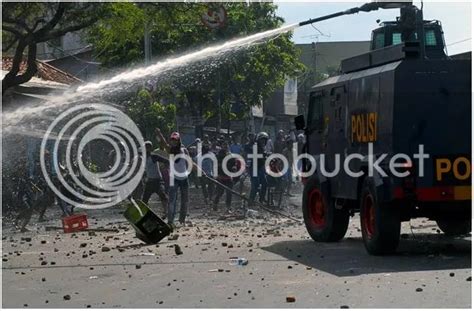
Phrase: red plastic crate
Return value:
(75, 223)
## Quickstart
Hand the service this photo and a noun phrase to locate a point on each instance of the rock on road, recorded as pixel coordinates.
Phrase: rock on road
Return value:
(285, 268)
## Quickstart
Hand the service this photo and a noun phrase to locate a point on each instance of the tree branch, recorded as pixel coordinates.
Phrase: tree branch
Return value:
(61, 32)
(14, 31)
(15, 22)
(54, 21)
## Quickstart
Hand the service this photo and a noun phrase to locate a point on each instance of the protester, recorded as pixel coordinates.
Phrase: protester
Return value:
(193, 179)
(215, 146)
(288, 154)
(280, 142)
(235, 147)
(207, 168)
(269, 145)
(223, 177)
(180, 183)
(154, 180)
(247, 148)
(206, 140)
(258, 182)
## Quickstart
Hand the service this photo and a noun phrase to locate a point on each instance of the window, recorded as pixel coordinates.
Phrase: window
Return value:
(430, 38)
(396, 38)
(379, 40)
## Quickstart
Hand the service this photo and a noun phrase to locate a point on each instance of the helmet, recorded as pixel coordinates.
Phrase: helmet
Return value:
(175, 136)
(148, 143)
(198, 140)
(262, 135)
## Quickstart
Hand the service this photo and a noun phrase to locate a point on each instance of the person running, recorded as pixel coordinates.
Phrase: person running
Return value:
(223, 177)
(153, 178)
(175, 147)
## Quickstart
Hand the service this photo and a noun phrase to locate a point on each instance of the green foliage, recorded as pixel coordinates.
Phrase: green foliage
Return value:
(149, 114)
(247, 77)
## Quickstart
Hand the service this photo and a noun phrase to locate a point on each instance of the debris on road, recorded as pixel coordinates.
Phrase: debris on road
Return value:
(177, 250)
(290, 299)
(238, 261)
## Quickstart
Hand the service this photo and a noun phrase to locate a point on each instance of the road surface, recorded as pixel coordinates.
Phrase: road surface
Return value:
(112, 268)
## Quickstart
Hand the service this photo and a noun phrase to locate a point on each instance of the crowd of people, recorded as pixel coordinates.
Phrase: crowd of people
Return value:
(172, 180)
(213, 180)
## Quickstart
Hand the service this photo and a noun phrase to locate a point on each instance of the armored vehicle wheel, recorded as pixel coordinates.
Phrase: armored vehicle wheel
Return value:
(380, 222)
(323, 221)
(454, 226)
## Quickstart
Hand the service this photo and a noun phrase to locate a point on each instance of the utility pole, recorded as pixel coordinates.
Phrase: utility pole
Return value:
(147, 43)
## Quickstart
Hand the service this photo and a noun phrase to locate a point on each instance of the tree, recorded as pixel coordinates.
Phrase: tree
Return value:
(25, 24)
(246, 77)
(150, 114)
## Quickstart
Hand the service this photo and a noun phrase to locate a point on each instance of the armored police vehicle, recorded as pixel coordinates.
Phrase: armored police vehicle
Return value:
(405, 96)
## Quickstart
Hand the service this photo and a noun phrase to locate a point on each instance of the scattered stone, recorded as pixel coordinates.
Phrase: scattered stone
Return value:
(138, 266)
(177, 250)
(290, 299)
(43, 242)
(290, 267)
(419, 289)
(67, 297)
(43, 279)
(82, 245)
(469, 279)
(344, 307)
(451, 274)
(105, 249)
(224, 244)
(44, 263)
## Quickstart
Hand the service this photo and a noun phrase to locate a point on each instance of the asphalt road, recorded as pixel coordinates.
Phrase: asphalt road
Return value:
(52, 269)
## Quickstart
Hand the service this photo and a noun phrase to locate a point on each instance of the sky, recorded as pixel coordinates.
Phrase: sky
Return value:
(454, 16)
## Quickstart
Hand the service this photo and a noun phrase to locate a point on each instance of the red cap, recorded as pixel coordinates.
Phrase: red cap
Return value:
(175, 136)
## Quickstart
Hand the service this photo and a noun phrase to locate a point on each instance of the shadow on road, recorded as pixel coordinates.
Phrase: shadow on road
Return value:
(348, 258)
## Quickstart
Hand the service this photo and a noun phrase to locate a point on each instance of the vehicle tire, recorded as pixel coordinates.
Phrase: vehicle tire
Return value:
(454, 226)
(323, 221)
(380, 222)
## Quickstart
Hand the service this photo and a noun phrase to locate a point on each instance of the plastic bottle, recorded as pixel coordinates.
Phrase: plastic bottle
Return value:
(238, 261)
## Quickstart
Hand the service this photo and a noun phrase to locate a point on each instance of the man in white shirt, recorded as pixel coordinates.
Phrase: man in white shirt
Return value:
(154, 181)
